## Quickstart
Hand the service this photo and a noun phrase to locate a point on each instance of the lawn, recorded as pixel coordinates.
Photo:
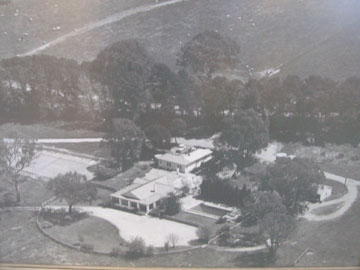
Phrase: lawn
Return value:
(92, 231)
(21, 242)
(51, 130)
(342, 160)
(348, 170)
(33, 192)
(16, 231)
(333, 243)
(326, 210)
(338, 189)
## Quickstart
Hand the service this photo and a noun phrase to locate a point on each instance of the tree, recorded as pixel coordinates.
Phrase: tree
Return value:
(266, 202)
(178, 127)
(125, 141)
(208, 52)
(173, 239)
(15, 154)
(159, 136)
(275, 228)
(163, 85)
(295, 180)
(171, 204)
(243, 134)
(218, 191)
(203, 233)
(275, 223)
(125, 68)
(73, 188)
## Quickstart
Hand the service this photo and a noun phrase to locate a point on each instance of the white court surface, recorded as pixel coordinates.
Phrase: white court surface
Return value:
(48, 164)
(154, 231)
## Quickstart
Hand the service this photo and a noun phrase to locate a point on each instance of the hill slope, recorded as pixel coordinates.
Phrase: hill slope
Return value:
(301, 37)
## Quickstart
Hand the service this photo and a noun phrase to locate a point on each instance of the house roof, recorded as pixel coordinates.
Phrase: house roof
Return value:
(155, 185)
(185, 158)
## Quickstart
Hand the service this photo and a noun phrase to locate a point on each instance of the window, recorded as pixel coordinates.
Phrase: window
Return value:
(151, 206)
(133, 204)
(124, 202)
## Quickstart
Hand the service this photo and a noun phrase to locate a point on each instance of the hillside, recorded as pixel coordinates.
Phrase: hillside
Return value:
(301, 37)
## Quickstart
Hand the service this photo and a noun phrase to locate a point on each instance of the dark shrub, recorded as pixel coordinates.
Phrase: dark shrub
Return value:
(203, 233)
(136, 248)
(102, 172)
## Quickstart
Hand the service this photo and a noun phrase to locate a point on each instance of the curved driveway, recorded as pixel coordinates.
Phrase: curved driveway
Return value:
(347, 200)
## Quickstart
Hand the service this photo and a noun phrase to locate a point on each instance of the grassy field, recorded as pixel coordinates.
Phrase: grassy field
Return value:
(350, 170)
(327, 209)
(305, 37)
(32, 192)
(333, 243)
(34, 20)
(25, 244)
(92, 231)
(342, 160)
(338, 189)
(51, 130)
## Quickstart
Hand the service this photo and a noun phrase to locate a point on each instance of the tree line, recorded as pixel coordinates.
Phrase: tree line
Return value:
(125, 82)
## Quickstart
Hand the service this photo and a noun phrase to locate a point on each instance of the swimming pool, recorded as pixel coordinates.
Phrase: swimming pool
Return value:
(211, 210)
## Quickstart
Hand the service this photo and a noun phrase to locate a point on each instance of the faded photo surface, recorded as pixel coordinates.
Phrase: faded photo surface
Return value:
(180, 133)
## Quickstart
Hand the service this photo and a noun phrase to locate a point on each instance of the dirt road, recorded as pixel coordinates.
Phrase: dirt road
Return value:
(111, 19)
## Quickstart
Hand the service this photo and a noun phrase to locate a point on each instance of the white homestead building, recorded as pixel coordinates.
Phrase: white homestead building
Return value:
(145, 193)
(183, 159)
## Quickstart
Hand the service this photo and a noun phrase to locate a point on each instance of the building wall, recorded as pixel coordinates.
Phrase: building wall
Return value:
(197, 164)
(130, 204)
(171, 166)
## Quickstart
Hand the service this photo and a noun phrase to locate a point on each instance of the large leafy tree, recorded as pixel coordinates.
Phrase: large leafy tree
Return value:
(125, 141)
(178, 127)
(208, 52)
(43, 87)
(124, 67)
(274, 222)
(171, 204)
(73, 188)
(295, 180)
(218, 191)
(243, 134)
(158, 135)
(163, 86)
(16, 153)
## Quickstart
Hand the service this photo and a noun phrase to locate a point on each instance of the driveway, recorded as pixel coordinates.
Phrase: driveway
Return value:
(268, 155)
(153, 230)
